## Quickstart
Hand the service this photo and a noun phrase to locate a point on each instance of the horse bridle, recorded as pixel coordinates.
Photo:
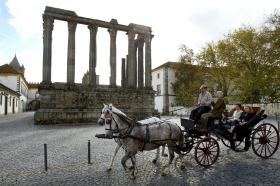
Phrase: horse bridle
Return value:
(108, 120)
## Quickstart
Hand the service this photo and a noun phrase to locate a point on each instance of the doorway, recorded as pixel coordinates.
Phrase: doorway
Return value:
(6, 105)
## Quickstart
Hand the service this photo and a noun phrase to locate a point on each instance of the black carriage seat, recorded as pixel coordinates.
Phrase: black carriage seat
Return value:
(187, 123)
(259, 116)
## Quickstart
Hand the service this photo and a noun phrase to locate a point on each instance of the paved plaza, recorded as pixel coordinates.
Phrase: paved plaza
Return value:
(22, 160)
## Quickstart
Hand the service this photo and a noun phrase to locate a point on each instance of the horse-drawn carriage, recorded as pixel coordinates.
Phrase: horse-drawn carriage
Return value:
(136, 136)
(264, 138)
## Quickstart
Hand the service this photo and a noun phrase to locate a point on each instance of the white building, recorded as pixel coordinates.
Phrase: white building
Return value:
(12, 76)
(9, 100)
(162, 79)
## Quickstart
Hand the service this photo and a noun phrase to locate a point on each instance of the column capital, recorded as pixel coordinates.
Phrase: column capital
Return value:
(93, 28)
(148, 38)
(48, 22)
(131, 34)
(72, 26)
(140, 39)
(112, 32)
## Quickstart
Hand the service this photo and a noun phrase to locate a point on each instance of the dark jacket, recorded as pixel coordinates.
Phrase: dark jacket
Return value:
(246, 116)
(218, 108)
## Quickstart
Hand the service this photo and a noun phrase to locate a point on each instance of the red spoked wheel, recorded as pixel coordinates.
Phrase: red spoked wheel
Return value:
(207, 151)
(265, 140)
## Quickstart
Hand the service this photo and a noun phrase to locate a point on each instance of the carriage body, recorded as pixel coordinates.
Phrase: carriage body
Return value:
(264, 138)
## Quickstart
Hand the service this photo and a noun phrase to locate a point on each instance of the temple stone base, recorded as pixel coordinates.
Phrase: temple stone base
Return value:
(76, 103)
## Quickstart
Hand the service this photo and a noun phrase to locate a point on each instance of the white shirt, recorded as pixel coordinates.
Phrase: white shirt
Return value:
(204, 99)
(236, 115)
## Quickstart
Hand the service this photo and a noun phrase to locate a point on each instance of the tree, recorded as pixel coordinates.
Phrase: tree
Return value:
(245, 65)
(217, 59)
(246, 62)
(188, 78)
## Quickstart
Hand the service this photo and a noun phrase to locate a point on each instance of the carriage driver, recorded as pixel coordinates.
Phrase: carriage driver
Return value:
(204, 104)
(216, 112)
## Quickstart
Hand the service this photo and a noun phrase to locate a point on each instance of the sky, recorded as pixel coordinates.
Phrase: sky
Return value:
(174, 22)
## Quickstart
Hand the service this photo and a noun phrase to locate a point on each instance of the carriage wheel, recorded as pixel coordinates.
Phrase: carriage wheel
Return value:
(265, 140)
(207, 151)
(227, 143)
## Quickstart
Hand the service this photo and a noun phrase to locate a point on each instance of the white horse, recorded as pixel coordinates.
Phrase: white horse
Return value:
(150, 120)
(134, 137)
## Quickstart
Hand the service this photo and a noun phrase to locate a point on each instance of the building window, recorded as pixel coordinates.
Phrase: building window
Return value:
(10, 100)
(16, 102)
(158, 90)
(158, 75)
(0, 99)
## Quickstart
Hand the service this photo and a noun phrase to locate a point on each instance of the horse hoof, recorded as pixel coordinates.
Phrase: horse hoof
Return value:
(154, 161)
(132, 177)
(164, 155)
(109, 169)
(131, 168)
(182, 167)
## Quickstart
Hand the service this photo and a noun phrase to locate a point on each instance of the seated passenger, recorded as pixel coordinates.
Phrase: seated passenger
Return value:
(236, 114)
(241, 128)
(216, 112)
(203, 102)
(243, 119)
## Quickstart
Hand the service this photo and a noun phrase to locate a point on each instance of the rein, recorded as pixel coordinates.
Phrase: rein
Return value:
(118, 129)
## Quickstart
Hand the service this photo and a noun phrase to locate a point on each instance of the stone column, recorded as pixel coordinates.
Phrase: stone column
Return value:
(148, 61)
(47, 48)
(131, 63)
(71, 52)
(92, 54)
(123, 73)
(140, 60)
(113, 52)
(135, 59)
(126, 70)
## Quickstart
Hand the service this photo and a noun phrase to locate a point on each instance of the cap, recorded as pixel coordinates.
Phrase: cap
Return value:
(202, 86)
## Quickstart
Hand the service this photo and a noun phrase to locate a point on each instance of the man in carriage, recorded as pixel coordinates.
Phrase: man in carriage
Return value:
(204, 102)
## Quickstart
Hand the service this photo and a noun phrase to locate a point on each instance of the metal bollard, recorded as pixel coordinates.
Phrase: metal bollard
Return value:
(46, 157)
(89, 160)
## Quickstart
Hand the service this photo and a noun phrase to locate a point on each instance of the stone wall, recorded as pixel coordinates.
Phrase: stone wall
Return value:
(76, 103)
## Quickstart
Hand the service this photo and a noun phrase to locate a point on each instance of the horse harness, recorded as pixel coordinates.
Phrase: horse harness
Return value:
(131, 124)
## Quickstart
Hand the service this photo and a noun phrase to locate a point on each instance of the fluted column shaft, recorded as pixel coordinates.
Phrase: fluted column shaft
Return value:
(148, 61)
(92, 54)
(113, 55)
(71, 52)
(140, 61)
(131, 63)
(47, 48)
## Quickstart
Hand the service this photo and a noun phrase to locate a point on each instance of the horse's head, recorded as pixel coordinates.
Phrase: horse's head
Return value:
(106, 119)
(113, 119)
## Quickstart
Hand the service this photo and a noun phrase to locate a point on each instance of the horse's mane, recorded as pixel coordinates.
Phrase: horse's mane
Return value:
(117, 111)
(122, 115)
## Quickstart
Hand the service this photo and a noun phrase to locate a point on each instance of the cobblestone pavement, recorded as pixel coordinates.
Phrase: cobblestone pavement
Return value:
(21, 160)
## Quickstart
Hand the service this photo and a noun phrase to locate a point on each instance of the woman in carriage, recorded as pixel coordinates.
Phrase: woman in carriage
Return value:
(242, 128)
